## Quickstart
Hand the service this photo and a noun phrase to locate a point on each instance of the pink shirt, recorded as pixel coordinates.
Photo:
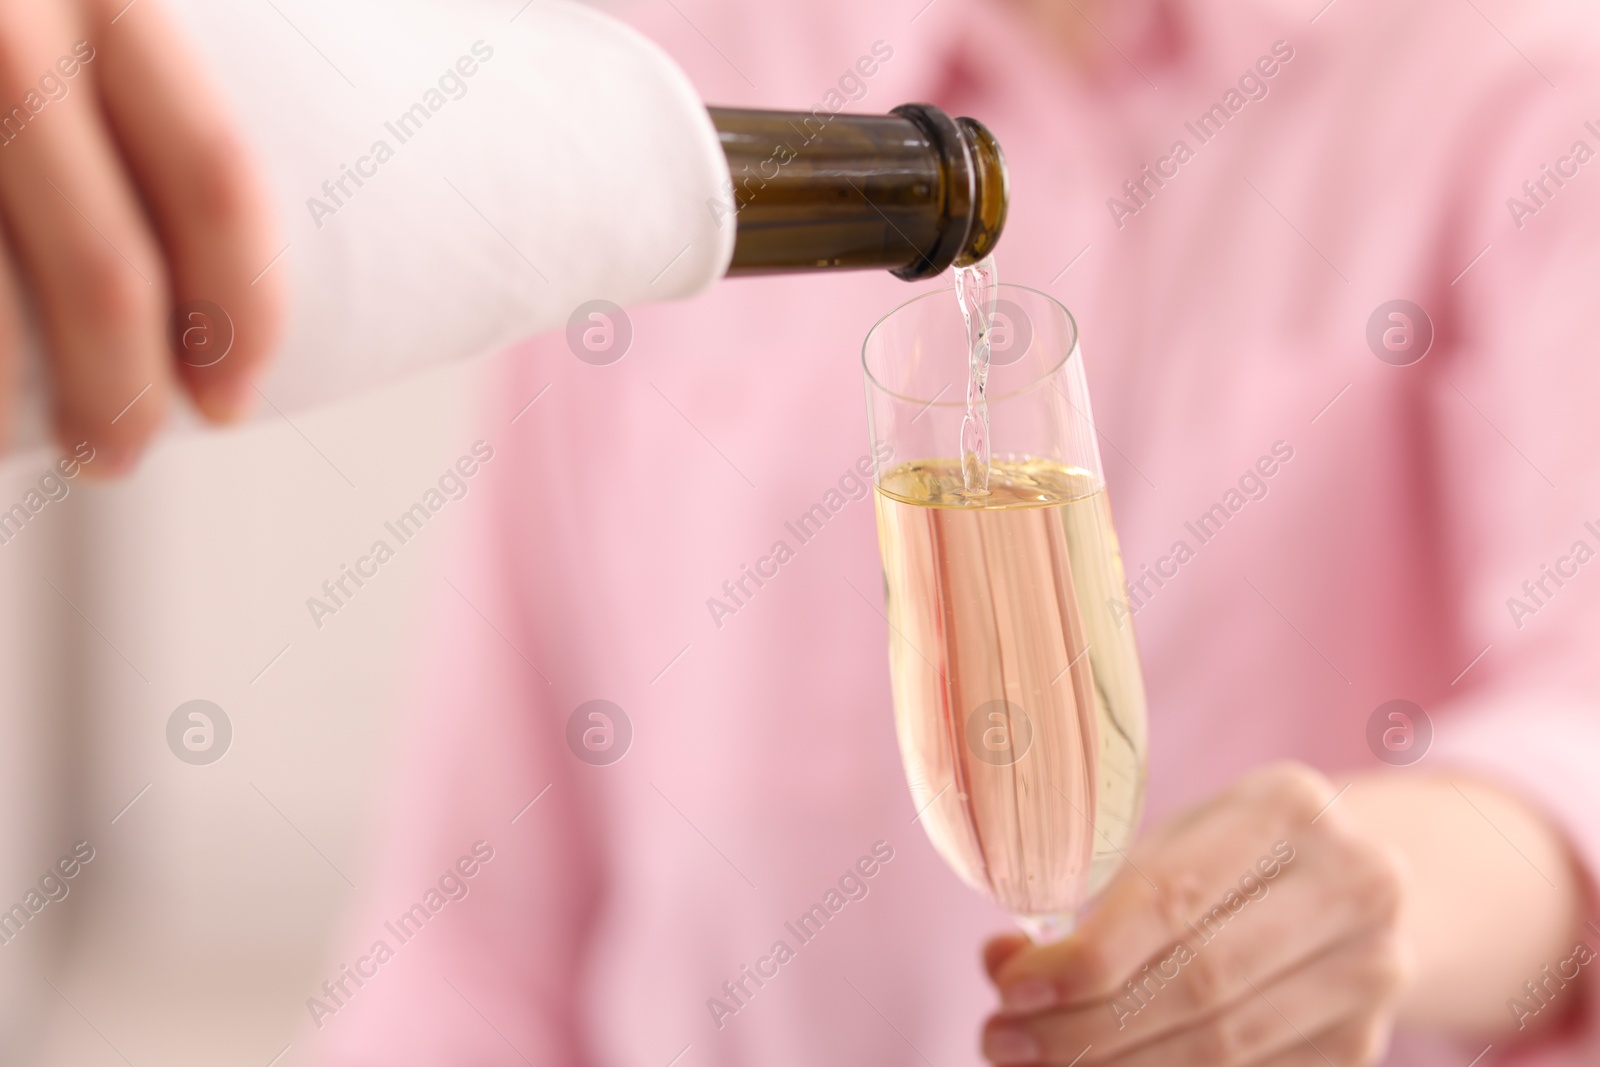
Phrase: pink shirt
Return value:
(1225, 315)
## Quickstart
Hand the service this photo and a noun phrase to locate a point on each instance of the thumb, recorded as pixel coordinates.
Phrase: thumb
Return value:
(1000, 949)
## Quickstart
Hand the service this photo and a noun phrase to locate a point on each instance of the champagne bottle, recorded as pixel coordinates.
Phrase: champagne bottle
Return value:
(913, 191)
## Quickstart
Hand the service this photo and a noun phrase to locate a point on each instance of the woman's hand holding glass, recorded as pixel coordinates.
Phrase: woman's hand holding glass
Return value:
(1262, 927)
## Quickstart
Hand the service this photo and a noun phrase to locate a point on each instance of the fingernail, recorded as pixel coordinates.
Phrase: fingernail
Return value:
(1010, 1045)
(1030, 994)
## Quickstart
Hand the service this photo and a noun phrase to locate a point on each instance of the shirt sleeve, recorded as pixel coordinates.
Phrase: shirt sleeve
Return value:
(1509, 401)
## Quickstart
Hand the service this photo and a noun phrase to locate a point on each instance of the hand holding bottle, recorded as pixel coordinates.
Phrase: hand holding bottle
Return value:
(142, 253)
(127, 199)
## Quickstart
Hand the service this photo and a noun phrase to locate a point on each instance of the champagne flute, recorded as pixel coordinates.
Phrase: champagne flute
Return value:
(1018, 701)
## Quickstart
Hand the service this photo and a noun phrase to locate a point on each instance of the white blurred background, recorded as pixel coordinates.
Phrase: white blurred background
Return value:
(198, 930)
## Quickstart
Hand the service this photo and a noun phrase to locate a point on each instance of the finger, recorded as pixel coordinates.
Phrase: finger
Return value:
(1360, 978)
(1171, 881)
(80, 238)
(1229, 954)
(1000, 949)
(210, 212)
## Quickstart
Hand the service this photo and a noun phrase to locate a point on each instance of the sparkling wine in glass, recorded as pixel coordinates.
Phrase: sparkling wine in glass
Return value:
(1018, 700)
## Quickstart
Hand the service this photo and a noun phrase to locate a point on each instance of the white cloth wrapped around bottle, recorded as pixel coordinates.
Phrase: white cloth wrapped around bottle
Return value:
(451, 177)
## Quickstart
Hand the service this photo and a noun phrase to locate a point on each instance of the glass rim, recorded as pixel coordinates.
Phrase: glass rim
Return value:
(874, 383)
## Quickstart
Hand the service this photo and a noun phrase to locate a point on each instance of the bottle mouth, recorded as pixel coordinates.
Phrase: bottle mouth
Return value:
(976, 197)
(993, 195)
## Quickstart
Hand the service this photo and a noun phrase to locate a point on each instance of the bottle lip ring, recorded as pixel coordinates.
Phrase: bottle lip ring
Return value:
(1069, 352)
(961, 194)
(989, 162)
